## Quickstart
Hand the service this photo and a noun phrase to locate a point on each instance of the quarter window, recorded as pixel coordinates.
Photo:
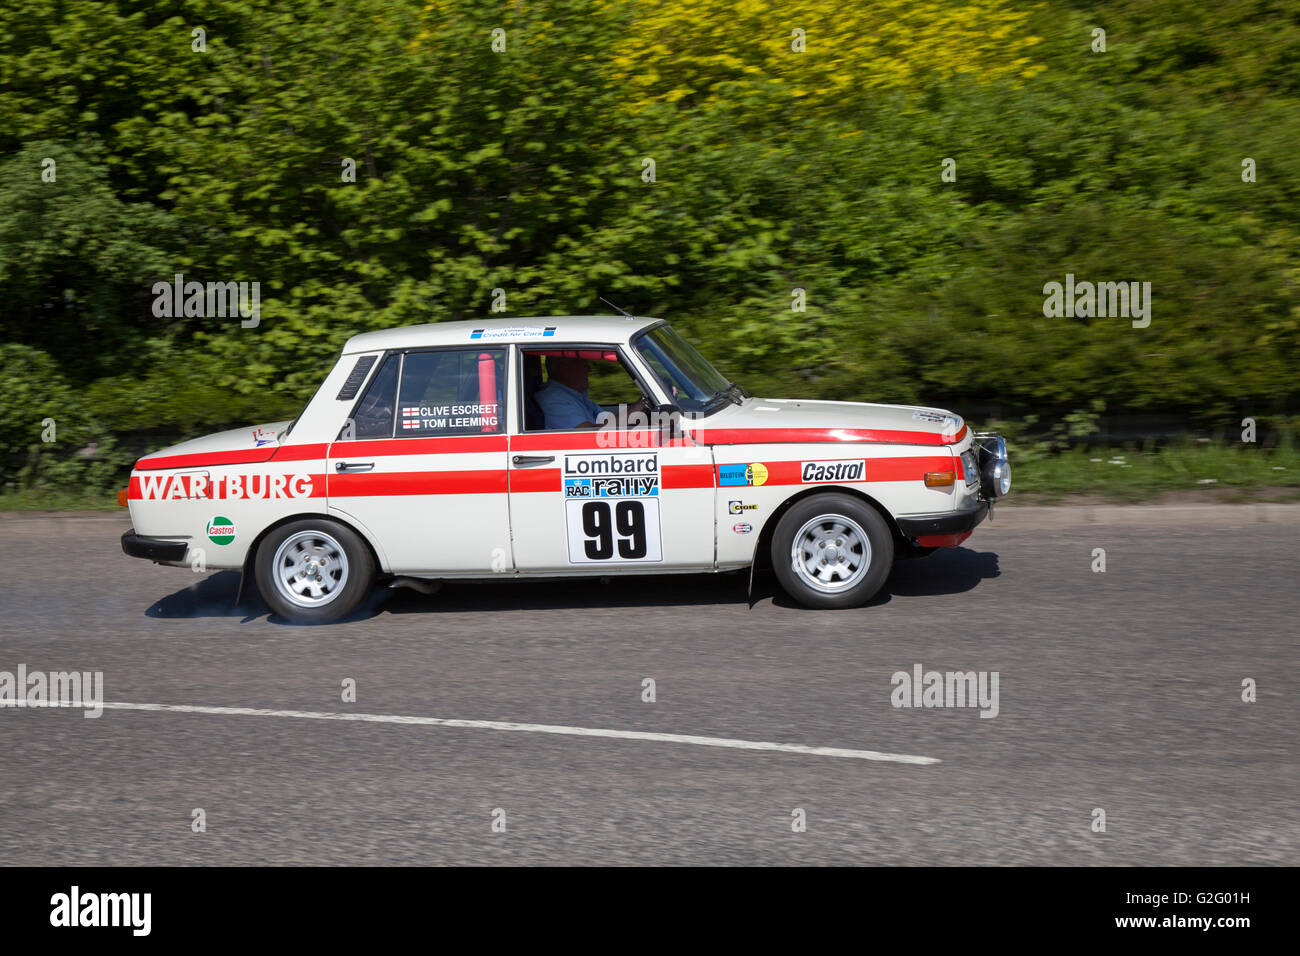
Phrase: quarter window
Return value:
(373, 417)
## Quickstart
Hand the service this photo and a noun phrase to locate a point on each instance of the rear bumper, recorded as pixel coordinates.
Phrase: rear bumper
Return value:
(942, 530)
(153, 549)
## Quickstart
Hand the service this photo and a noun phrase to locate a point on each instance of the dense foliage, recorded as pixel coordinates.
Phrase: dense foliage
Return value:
(525, 170)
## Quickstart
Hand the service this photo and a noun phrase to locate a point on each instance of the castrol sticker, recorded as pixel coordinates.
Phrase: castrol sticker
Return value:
(221, 530)
(814, 472)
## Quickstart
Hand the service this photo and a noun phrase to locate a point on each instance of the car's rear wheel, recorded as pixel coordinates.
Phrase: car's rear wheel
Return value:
(313, 570)
(832, 551)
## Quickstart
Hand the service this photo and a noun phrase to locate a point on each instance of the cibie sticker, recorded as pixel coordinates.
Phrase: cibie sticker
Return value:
(611, 507)
(739, 507)
(221, 530)
(730, 476)
(811, 472)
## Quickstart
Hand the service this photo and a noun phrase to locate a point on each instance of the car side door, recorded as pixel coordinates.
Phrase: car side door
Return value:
(610, 499)
(420, 466)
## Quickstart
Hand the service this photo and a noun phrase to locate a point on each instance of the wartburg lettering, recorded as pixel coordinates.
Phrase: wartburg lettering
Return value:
(162, 487)
(815, 471)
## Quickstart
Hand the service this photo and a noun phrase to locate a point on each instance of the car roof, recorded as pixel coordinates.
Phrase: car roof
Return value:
(549, 329)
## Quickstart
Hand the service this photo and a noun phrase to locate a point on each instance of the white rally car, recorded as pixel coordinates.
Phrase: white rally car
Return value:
(426, 454)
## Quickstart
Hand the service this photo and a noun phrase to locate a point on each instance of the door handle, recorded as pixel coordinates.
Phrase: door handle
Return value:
(527, 461)
(354, 466)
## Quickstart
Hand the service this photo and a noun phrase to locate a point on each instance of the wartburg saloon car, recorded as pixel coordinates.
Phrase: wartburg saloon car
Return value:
(555, 447)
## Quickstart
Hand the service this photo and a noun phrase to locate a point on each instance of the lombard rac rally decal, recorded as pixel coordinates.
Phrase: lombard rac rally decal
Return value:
(611, 508)
(815, 472)
(730, 476)
(221, 530)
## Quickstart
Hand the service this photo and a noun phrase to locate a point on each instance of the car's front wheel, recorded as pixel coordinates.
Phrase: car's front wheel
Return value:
(832, 551)
(313, 570)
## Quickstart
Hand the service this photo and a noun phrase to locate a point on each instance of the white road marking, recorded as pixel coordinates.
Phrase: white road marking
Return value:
(533, 729)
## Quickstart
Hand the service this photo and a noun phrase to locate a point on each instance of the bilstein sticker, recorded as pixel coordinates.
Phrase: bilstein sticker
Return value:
(734, 475)
(221, 530)
(811, 472)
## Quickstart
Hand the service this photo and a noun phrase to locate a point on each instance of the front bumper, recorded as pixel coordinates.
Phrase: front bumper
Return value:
(154, 549)
(944, 530)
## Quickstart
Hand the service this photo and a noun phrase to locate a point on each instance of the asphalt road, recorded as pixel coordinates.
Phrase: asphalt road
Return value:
(1118, 690)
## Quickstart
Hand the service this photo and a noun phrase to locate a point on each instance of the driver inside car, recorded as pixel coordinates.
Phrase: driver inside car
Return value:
(564, 401)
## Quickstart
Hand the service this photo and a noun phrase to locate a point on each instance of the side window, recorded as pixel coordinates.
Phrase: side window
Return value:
(599, 372)
(612, 385)
(373, 417)
(452, 392)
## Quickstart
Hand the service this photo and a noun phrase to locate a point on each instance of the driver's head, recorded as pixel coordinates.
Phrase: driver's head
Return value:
(568, 371)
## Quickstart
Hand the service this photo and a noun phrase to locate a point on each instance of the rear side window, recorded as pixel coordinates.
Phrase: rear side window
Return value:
(452, 392)
(373, 417)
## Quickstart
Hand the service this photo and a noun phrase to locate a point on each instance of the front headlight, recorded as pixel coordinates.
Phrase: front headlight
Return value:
(1002, 475)
(995, 468)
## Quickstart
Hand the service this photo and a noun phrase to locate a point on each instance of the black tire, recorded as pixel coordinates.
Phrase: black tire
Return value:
(844, 588)
(322, 540)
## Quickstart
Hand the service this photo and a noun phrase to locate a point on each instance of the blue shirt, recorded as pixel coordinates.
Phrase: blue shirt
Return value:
(565, 408)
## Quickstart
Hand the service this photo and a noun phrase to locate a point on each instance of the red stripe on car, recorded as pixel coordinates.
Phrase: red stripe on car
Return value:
(535, 479)
(688, 476)
(764, 436)
(246, 457)
(487, 482)
(451, 444)
(300, 452)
